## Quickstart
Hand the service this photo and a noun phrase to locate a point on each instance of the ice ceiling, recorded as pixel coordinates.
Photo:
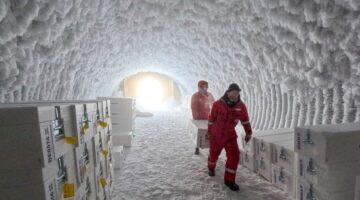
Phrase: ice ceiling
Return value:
(297, 61)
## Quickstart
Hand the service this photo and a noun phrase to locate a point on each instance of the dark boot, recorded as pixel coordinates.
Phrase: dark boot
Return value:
(232, 186)
(211, 173)
(197, 152)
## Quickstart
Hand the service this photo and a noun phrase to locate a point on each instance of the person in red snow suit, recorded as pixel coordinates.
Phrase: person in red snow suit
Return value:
(201, 103)
(223, 118)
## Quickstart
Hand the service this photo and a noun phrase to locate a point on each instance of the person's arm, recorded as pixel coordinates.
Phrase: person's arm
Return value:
(194, 107)
(212, 117)
(244, 118)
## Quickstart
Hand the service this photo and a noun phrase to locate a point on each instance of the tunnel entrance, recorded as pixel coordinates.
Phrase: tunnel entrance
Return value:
(152, 91)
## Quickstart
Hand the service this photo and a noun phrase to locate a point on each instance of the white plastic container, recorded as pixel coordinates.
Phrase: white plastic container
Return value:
(335, 177)
(329, 143)
(199, 133)
(283, 179)
(305, 190)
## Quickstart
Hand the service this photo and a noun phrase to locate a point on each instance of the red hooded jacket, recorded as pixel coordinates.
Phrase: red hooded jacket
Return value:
(201, 105)
(223, 120)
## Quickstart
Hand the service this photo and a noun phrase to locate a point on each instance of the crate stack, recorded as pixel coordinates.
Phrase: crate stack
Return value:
(55, 150)
(250, 156)
(328, 161)
(123, 120)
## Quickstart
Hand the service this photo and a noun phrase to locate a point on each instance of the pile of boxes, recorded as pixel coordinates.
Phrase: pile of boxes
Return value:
(328, 161)
(313, 162)
(56, 150)
(198, 130)
(271, 155)
(123, 120)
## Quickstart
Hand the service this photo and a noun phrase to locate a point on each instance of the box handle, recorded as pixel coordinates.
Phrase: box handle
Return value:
(308, 139)
(282, 154)
(61, 175)
(281, 176)
(310, 195)
(310, 168)
(262, 146)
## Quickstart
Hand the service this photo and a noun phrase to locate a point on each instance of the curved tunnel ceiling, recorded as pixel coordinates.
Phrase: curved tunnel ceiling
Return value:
(296, 60)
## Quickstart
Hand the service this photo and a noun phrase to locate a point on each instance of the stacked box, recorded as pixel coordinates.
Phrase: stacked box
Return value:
(328, 161)
(54, 149)
(247, 150)
(122, 119)
(198, 131)
(264, 152)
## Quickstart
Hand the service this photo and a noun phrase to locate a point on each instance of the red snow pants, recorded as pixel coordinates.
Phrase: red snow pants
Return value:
(232, 157)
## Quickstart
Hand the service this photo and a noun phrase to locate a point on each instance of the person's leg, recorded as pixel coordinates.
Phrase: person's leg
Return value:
(232, 162)
(214, 152)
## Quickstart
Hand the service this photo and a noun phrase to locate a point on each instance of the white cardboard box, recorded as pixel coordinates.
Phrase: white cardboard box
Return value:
(247, 159)
(284, 156)
(283, 179)
(118, 156)
(47, 184)
(335, 177)
(199, 133)
(261, 134)
(123, 138)
(31, 145)
(264, 167)
(305, 190)
(85, 160)
(329, 143)
(87, 190)
(264, 145)
(25, 176)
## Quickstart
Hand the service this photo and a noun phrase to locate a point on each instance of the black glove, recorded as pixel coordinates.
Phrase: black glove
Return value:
(247, 138)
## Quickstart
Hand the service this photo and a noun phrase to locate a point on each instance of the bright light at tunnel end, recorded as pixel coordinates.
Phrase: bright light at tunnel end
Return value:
(149, 94)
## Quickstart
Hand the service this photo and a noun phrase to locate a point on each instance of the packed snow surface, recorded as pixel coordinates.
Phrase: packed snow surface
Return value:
(161, 165)
(297, 61)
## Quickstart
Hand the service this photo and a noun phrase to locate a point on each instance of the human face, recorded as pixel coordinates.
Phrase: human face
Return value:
(233, 95)
(203, 89)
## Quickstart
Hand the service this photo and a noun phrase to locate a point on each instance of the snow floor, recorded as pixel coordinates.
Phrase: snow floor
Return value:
(161, 165)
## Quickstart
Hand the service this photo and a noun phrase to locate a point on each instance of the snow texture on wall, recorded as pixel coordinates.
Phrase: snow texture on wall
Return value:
(298, 61)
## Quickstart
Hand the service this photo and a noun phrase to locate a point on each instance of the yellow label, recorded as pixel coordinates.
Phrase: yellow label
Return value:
(84, 128)
(104, 152)
(85, 169)
(103, 182)
(70, 140)
(103, 124)
(69, 190)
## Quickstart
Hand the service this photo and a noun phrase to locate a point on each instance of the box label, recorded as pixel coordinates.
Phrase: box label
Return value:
(298, 141)
(48, 145)
(69, 190)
